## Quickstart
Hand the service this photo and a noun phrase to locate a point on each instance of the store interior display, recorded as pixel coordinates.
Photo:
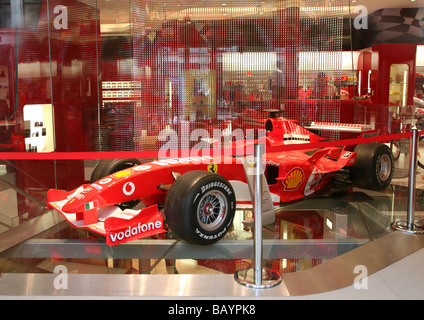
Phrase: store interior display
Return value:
(39, 130)
(181, 78)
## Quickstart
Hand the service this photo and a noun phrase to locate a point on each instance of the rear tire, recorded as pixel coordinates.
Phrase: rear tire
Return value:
(200, 207)
(374, 166)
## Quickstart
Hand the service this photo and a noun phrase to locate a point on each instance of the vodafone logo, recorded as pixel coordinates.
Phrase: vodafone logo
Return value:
(143, 223)
(137, 230)
(128, 188)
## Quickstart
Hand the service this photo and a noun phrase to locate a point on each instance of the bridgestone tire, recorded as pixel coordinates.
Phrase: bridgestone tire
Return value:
(200, 207)
(374, 166)
(106, 167)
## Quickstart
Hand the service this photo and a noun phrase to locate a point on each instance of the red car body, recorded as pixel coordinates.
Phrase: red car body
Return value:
(291, 175)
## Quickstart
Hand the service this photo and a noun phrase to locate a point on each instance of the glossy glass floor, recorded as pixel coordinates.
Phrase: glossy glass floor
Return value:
(304, 235)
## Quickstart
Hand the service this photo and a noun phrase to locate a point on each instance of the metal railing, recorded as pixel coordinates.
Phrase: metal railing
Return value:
(410, 226)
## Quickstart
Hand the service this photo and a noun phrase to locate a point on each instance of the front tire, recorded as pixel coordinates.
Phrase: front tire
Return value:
(200, 207)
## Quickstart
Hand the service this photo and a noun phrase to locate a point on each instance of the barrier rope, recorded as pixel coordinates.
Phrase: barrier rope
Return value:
(152, 154)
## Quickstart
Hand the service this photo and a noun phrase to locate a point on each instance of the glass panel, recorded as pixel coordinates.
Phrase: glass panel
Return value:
(18, 204)
(398, 91)
(121, 75)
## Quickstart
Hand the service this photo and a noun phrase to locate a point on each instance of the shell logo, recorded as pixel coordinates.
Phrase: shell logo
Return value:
(294, 179)
(122, 174)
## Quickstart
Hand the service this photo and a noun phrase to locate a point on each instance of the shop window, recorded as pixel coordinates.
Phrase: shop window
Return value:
(398, 91)
(126, 71)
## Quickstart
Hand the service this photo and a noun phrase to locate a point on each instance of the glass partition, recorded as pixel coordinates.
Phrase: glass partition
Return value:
(398, 84)
(123, 75)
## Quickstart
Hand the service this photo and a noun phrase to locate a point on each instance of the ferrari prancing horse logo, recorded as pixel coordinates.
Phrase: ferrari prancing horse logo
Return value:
(213, 168)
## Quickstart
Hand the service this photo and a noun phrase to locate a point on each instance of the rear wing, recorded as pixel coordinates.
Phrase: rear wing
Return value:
(340, 127)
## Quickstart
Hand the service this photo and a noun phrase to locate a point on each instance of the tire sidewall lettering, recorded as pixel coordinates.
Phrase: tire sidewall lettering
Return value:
(212, 236)
(216, 185)
(210, 186)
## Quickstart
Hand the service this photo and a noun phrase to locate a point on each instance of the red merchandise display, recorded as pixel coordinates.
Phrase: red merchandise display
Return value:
(381, 77)
(56, 65)
(391, 70)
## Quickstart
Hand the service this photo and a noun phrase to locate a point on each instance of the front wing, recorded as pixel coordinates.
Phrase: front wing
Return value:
(118, 226)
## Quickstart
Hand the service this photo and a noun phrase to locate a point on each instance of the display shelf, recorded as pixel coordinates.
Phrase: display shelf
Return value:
(174, 249)
(331, 275)
(304, 235)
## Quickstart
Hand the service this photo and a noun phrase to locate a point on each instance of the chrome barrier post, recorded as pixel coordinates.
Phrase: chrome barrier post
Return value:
(412, 178)
(258, 277)
(410, 226)
(257, 206)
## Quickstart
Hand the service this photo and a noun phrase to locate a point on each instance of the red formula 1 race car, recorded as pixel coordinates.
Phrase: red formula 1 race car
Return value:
(199, 195)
